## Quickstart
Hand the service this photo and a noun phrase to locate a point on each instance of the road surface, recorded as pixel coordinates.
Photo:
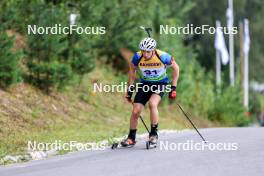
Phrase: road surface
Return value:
(247, 160)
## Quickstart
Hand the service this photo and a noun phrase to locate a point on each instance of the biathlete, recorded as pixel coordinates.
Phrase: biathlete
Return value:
(151, 65)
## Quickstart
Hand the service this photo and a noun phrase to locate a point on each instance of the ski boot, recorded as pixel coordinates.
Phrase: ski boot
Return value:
(128, 142)
(152, 142)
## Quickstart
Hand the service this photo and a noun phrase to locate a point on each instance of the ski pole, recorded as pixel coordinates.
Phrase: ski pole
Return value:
(191, 122)
(148, 30)
(144, 123)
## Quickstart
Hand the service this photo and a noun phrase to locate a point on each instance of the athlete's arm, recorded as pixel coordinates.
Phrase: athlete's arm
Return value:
(131, 74)
(131, 80)
(175, 72)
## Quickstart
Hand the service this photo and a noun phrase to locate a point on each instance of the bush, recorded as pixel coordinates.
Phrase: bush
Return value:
(48, 76)
(254, 103)
(228, 108)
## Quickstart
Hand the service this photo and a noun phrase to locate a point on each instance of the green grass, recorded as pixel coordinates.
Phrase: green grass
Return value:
(77, 114)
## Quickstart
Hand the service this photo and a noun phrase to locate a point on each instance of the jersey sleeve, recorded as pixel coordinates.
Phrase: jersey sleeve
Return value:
(166, 58)
(135, 59)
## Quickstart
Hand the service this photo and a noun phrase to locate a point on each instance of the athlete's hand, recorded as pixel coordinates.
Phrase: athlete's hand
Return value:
(173, 93)
(128, 98)
(129, 93)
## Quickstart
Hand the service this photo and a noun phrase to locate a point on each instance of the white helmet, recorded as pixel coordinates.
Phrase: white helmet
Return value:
(147, 44)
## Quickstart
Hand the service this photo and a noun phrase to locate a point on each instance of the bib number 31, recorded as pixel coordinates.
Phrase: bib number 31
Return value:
(150, 72)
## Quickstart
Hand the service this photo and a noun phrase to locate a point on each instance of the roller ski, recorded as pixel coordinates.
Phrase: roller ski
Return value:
(153, 137)
(152, 142)
(126, 143)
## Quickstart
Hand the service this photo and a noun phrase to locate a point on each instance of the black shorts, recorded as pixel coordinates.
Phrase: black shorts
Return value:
(145, 91)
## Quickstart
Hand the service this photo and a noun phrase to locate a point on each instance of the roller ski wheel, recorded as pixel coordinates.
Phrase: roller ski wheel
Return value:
(114, 146)
(152, 142)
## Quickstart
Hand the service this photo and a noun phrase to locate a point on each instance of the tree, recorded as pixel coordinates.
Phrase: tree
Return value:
(9, 61)
(47, 64)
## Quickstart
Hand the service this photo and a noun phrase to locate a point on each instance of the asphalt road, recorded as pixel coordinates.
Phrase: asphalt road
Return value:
(247, 160)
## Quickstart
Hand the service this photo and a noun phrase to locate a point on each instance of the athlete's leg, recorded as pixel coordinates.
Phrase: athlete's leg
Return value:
(130, 140)
(154, 117)
(140, 100)
(137, 109)
(153, 107)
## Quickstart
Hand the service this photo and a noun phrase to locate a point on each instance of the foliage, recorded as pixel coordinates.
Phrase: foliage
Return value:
(55, 61)
(9, 61)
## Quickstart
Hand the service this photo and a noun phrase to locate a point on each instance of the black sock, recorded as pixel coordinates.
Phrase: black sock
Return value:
(132, 133)
(154, 129)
